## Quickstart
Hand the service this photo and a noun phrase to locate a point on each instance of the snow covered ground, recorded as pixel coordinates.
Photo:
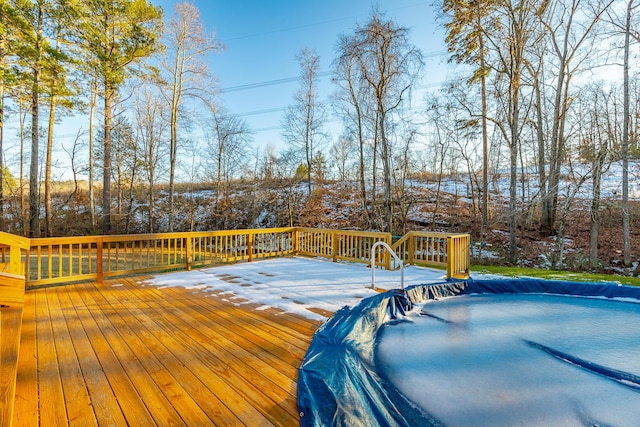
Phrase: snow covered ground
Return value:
(296, 284)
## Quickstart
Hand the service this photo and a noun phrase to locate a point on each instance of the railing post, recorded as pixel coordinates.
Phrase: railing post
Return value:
(187, 243)
(27, 265)
(387, 255)
(296, 243)
(451, 257)
(250, 248)
(99, 261)
(15, 261)
(411, 245)
(335, 241)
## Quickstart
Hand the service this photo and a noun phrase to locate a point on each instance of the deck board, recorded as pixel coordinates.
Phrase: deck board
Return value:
(76, 395)
(126, 353)
(25, 412)
(102, 399)
(49, 376)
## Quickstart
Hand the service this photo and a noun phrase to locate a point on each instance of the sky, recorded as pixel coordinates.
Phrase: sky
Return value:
(263, 37)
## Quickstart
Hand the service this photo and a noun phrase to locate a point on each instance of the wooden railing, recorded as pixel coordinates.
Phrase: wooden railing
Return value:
(435, 249)
(459, 256)
(12, 285)
(342, 245)
(66, 259)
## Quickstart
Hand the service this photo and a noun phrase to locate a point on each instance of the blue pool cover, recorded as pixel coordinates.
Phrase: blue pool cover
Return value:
(339, 385)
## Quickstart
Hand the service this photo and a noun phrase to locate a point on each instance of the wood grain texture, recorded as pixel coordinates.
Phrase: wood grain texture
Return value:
(123, 353)
(10, 328)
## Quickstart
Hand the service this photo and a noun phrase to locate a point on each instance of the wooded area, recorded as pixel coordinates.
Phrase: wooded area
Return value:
(531, 102)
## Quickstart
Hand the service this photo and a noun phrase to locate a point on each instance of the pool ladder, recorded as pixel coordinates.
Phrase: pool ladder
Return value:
(373, 263)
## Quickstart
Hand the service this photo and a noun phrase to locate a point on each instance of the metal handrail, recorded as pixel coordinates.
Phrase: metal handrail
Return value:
(373, 263)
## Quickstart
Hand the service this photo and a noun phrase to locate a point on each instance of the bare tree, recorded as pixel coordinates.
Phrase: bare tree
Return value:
(353, 103)
(186, 74)
(305, 117)
(231, 135)
(341, 151)
(596, 137)
(441, 142)
(570, 28)
(390, 66)
(150, 136)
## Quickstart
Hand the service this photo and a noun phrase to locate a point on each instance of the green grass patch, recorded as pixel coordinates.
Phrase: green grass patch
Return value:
(555, 274)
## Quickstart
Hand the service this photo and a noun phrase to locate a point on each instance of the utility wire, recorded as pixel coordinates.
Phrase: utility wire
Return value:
(258, 112)
(266, 83)
(269, 83)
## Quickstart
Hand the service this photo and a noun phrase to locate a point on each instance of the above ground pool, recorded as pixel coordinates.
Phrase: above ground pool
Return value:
(491, 352)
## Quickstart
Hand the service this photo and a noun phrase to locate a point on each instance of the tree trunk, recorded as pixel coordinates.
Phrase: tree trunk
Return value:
(485, 132)
(513, 149)
(374, 176)
(48, 226)
(308, 141)
(361, 144)
(386, 171)
(152, 181)
(626, 253)
(23, 213)
(34, 184)
(598, 165)
(92, 109)
(172, 167)
(106, 175)
(556, 149)
(595, 216)
(131, 195)
(219, 159)
(542, 173)
(34, 199)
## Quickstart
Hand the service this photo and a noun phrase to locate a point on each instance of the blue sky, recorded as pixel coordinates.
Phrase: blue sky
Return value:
(263, 37)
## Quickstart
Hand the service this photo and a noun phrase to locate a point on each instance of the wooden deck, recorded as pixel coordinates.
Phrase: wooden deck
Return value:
(122, 353)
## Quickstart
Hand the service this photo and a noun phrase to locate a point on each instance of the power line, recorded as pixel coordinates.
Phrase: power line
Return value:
(268, 128)
(269, 83)
(257, 112)
(434, 54)
(266, 83)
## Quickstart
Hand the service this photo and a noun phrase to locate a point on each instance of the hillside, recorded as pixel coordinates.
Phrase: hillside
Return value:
(448, 204)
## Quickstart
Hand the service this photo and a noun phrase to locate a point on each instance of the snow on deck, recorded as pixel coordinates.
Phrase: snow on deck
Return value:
(296, 285)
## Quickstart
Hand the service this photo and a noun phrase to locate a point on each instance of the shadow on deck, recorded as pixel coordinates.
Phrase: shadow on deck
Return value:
(123, 353)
